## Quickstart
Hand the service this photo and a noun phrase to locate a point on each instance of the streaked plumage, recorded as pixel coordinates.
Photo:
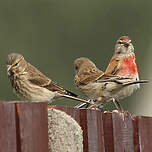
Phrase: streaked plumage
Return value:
(30, 84)
(123, 64)
(97, 85)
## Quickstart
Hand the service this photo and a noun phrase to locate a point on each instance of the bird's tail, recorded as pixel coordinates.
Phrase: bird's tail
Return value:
(76, 98)
(71, 93)
(80, 105)
(135, 82)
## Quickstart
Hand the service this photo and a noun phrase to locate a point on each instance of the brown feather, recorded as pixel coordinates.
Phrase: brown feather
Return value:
(88, 75)
(113, 66)
(37, 78)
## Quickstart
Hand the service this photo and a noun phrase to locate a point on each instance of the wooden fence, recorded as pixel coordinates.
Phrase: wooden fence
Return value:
(24, 128)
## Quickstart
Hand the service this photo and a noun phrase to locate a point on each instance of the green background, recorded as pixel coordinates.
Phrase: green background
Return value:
(51, 34)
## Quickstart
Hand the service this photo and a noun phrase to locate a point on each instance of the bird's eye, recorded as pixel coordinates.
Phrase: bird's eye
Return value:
(76, 68)
(16, 64)
(119, 42)
(119, 52)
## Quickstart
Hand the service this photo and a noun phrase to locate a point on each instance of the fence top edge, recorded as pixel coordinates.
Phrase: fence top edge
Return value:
(134, 117)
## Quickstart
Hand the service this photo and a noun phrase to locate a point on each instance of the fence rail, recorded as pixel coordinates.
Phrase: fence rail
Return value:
(24, 128)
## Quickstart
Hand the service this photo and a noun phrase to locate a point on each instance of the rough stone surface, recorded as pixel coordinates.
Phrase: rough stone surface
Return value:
(65, 134)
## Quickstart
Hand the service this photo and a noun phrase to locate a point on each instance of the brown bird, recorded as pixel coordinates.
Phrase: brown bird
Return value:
(30, 84)
(123, 64)
(97, 85)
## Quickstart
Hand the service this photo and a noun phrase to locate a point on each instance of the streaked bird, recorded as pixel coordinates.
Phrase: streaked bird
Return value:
(123, 64)
(98, 86)
(31, 85)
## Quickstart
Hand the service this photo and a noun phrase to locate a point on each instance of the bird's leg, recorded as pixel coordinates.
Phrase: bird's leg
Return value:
(101, 107)
(92, 102)
(96, 105)
(118, 105)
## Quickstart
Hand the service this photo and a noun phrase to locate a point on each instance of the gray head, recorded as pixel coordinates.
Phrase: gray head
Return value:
(83, 63)
(124, 46)
(13, 58)
(15, 63)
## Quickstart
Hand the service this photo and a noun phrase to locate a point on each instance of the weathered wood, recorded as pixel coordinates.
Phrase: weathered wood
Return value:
(83, 124)
(33, 125)
(123, 132)
(24, 128)
(145, 133)
(95, 131)
(8, 141)
(112, 131)
(108, 132)
(136, 134)
(100, 130)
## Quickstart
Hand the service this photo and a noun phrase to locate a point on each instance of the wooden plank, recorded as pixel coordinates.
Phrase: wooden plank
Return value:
(123, 132)
(83, 124)
(95, 131)
(33, 124)
(7, 127)
(145, 133)
(136, 134)
(108, 132)
(100, 131)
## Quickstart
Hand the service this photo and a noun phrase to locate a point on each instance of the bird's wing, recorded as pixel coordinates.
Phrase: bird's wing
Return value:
(39, 79)
(53, 86)
(113, 66)
(114, 78)
(50, 85)
(88, 75)
(36, 77)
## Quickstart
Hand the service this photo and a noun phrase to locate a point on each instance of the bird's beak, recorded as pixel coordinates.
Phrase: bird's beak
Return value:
(126, 44)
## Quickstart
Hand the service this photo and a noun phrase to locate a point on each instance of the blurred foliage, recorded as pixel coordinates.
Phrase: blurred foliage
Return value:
(51, 34)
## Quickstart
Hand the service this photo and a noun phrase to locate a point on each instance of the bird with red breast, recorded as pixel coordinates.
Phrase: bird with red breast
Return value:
(123, 64)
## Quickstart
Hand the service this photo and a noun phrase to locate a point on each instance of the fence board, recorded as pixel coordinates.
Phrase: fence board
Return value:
(95, 131)
(100, 131)
(123, 132)
(145, 133)
(33, 124)
(136, 134)
(7, 127)
(83, 124)
(108, 132)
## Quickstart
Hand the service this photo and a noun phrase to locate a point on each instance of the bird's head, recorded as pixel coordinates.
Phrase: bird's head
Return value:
(15, 64)
(124, 46)
(83, 63)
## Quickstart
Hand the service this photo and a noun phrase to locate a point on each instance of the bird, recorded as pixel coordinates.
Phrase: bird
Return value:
(98, 86)
(123, 64)
(30, 84)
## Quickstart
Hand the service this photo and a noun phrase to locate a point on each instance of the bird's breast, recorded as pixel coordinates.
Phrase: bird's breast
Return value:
(126, 91)
(128, 67)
